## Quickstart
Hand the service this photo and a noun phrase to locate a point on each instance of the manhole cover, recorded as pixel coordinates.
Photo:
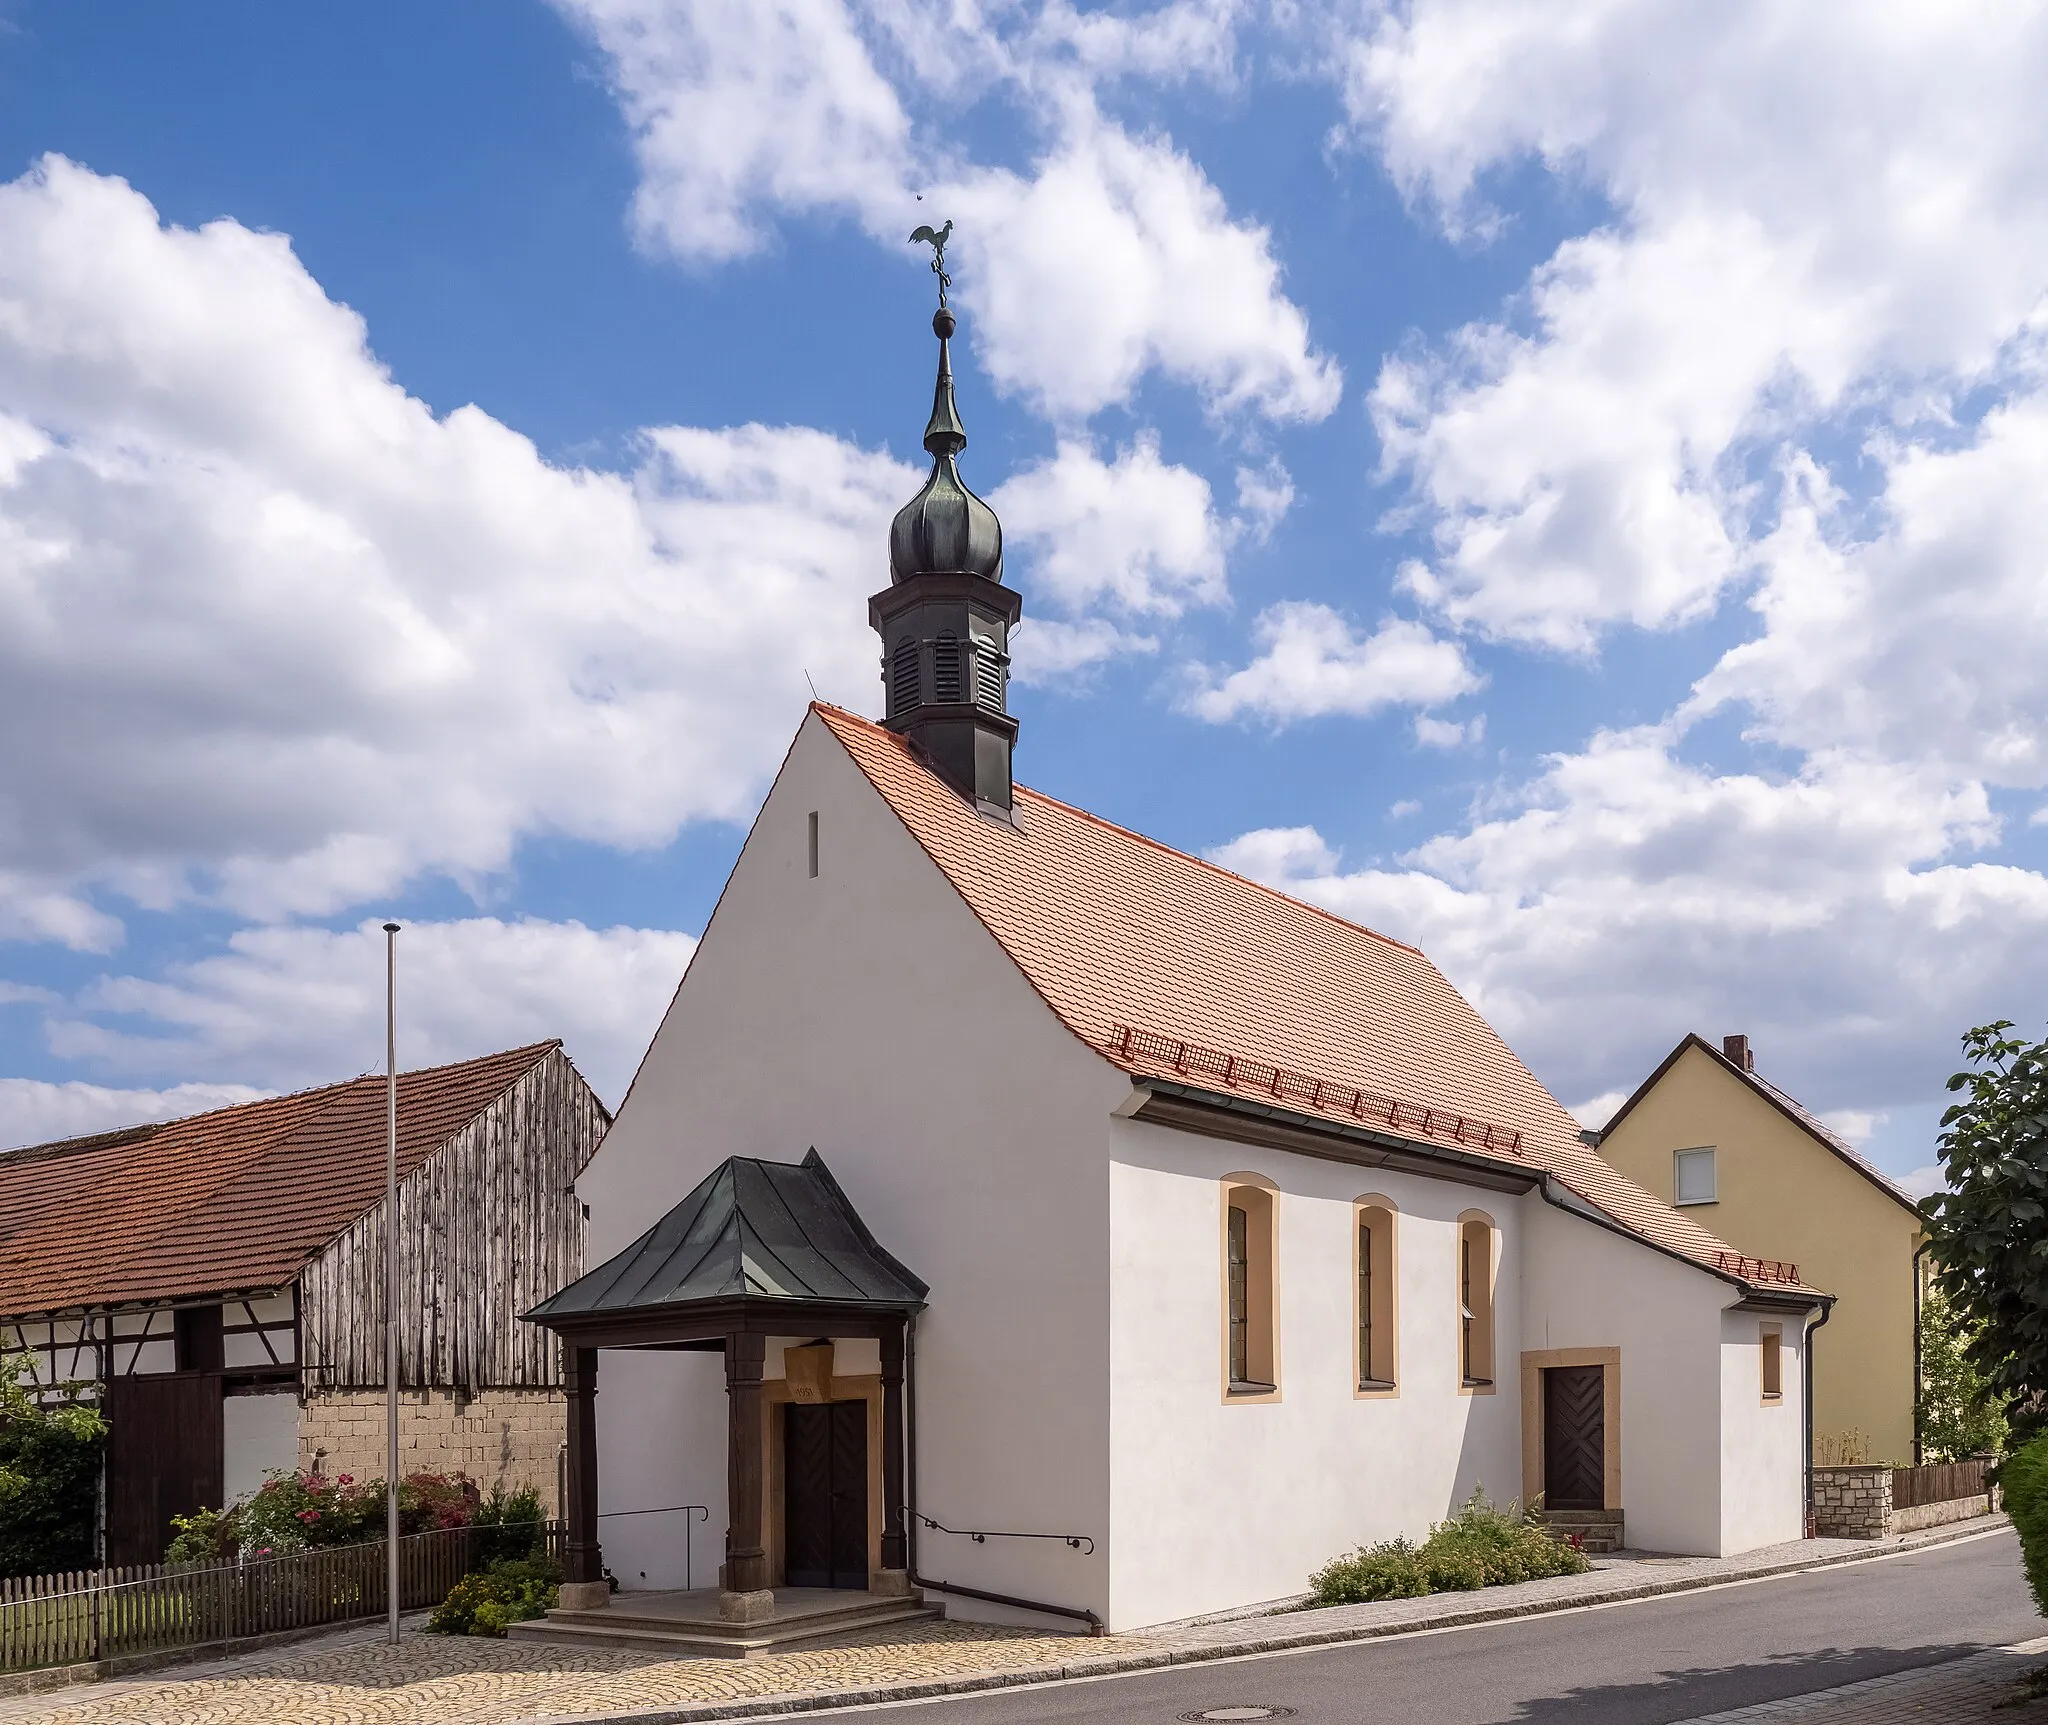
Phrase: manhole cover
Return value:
(1225, 1713)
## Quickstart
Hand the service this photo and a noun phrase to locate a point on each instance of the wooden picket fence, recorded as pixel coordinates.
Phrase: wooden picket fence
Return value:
(100, 1614)
(1938, 1482)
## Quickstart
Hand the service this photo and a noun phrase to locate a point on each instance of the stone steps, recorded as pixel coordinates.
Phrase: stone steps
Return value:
(1596, 1531)
(698, 1637)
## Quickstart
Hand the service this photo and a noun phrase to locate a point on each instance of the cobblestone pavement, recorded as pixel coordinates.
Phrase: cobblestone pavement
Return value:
(353, 1677)
(357, 1678)
(1978, 1690)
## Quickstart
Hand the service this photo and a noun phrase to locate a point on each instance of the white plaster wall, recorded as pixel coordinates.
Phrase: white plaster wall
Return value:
(258, 1434)
(1221, 1504)
(868, 1012)
(1585, 1287)
(660, 1446)
(1763, 1447)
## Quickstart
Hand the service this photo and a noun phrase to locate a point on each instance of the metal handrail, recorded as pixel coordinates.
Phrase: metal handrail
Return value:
(1079, 1541)
(686, 1511)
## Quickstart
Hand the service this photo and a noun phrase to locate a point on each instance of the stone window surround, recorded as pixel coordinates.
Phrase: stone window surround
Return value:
(1259, 1198)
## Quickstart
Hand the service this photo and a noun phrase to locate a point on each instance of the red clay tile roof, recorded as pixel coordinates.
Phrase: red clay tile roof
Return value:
(1117, 932)
(240, 1198)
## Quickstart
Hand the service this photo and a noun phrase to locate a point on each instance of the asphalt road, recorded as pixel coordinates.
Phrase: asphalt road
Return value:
(1645, 1661)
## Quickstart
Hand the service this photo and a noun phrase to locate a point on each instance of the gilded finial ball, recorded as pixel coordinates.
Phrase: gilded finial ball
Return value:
(942, 324)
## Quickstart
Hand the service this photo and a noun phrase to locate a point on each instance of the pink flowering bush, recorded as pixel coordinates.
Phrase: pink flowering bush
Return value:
(295, 1512)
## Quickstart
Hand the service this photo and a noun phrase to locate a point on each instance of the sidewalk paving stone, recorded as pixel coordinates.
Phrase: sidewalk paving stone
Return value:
(354, 1677)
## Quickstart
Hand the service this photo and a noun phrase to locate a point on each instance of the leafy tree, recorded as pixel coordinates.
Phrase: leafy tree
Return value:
(1957, 1416)
(49, 1479)
(1989, 1230)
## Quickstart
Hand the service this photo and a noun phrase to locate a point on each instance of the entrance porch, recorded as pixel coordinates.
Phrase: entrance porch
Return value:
(759, 1254)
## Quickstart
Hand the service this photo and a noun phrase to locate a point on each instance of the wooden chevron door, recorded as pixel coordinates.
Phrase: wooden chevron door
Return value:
(825, 1494)
(1574, 1438)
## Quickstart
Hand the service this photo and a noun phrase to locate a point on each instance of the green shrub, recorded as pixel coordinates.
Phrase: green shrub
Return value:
(2023, 1476)
(1390, 1571)
(204, 1539)
(49, 1479)
(509, 1591)
(508, 1524)
(1482, 1545)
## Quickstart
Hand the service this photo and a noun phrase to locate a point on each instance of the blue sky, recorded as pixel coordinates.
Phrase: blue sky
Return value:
(1566, 497)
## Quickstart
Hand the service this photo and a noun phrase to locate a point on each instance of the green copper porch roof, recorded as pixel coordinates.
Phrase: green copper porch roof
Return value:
(753, 1230)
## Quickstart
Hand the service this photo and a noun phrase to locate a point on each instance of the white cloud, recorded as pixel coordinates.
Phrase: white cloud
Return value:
(742, 113)
(1136, 534)
(291, 1007)
(1817, 215)
(1625, 897)
(1434, 733)
(1854, 1124)
(1311, 662)
(1264, 495)
(1277, 854)
(34, 1111)
(739, 107)
(1923, 1182)
(273, 634)
(1594, 1113)
(1046, 650)
(1171, 282)
(1401, 810)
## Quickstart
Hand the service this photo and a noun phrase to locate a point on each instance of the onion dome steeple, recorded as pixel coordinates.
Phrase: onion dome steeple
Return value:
(945, 529)
(945, 618)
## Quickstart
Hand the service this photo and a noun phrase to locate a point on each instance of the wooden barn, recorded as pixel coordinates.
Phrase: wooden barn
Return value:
(217, 1283)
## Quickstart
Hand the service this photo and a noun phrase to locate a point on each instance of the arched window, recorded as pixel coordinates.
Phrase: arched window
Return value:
(946, 667)
(1251, 1343)
(1373, 1296)
(903, 676)
(1475, 1300)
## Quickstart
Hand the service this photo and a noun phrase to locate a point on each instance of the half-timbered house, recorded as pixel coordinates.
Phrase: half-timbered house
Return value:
(217, 1283)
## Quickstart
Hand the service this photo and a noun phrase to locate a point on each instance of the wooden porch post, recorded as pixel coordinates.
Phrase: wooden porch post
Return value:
(745, 1597)
(895, 1544)
(583, 1563)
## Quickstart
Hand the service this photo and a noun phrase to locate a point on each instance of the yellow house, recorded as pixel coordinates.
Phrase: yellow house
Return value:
(1706, 1133)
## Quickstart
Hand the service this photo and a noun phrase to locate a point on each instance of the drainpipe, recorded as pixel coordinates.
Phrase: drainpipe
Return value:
(1806, 1372)
(910, 1460)
(1920, 1251)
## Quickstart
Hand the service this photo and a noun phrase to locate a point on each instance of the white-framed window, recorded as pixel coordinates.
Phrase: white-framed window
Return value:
(1692, 1176)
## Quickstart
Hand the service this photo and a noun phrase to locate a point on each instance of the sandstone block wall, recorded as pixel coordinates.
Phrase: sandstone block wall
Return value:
(1852, 1502)
(496, 1437)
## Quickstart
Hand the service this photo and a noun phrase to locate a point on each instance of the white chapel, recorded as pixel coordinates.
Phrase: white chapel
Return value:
(1017, 1216)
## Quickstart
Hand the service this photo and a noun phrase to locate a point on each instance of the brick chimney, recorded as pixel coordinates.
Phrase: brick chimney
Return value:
(1737, 1050)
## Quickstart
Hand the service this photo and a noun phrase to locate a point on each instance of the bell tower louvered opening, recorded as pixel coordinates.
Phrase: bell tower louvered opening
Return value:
(945, 617)
(904, 690)
(946, 667)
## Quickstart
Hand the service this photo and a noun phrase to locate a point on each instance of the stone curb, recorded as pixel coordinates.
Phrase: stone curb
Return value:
(1336, 1635)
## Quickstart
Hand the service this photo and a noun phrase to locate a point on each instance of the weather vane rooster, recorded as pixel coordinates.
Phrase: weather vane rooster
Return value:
(936, 239)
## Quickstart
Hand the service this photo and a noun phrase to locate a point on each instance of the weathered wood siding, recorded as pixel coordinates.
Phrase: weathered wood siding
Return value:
(489, 1226)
